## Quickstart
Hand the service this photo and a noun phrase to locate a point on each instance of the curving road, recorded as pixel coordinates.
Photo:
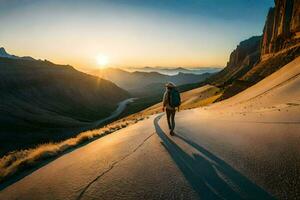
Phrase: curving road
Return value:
(128, 164)
(121, 107)
(140, 161)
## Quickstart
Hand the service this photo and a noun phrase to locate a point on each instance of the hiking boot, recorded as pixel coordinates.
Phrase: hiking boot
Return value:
(172, 133)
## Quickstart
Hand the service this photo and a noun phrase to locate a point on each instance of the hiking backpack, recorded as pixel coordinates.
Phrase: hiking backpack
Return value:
(174, 98)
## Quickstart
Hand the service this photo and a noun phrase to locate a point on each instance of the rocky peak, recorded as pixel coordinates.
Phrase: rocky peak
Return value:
(282, 27)
(295, 21)
(244, 49)
(253, 60)
(3, 53)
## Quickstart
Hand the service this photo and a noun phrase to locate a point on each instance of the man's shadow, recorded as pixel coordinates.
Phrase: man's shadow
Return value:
(210, 176)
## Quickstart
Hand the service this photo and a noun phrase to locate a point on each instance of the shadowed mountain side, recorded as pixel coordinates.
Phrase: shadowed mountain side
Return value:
(40, 101)
(210, 176)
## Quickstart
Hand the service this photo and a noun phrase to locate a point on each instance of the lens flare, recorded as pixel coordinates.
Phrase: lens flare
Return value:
(102, 60)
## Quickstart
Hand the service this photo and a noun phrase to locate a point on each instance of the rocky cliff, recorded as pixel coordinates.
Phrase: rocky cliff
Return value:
(282, 27)
(250, 62)
(241, 60)
(281, 40)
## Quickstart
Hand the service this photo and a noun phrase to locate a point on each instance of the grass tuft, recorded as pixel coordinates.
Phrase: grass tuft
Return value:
(18, 161)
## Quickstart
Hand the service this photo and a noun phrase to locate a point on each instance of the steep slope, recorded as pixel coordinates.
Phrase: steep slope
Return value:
(257, 131)
(278, 91)
(280, 44)
(41, 100)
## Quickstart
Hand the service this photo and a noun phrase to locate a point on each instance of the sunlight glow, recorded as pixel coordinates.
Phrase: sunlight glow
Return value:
(155, 33)
(102, 60)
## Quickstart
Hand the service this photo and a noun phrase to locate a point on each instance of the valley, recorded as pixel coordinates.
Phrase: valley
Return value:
(44, 102)
(205, 159)
(103, 133)
(57, 102)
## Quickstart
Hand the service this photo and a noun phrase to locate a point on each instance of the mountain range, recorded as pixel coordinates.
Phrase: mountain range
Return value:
(4, 54)
(42, 101)
(244, 147)
(147, 83)
(174, 71)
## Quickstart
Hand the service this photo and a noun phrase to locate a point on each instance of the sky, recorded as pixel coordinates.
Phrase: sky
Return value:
(92, 34)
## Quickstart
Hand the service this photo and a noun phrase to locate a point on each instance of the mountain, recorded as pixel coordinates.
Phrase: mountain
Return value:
(282, 28)
(240, 61)
(138, 83)
(4, 54)
(41, 101)
(246, 147)
(175, 71)
(258, 57)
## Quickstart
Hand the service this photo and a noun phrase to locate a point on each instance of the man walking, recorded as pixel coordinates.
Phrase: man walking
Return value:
(171, 100)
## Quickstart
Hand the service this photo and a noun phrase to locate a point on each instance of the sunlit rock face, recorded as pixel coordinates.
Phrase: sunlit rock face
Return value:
(242, 59)
(257, 58)
(268, 32)
(295, 22)
(243, 51)
(282, 28)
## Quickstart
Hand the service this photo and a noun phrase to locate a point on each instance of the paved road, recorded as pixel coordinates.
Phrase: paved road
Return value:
(246, 147)
(138, 162)
(128, 164)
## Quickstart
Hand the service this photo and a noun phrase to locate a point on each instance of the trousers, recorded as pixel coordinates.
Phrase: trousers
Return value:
(171, 118)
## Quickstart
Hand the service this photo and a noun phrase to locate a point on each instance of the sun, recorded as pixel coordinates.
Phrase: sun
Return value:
(102, 60)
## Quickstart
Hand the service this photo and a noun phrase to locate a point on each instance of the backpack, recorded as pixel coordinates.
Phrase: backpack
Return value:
(174, 98)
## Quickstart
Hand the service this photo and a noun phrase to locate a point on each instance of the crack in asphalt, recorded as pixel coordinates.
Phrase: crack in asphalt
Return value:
(112, 166)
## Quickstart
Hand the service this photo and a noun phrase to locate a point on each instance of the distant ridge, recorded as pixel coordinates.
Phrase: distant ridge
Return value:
(146, 83)
(4, 54)
(174, 70)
